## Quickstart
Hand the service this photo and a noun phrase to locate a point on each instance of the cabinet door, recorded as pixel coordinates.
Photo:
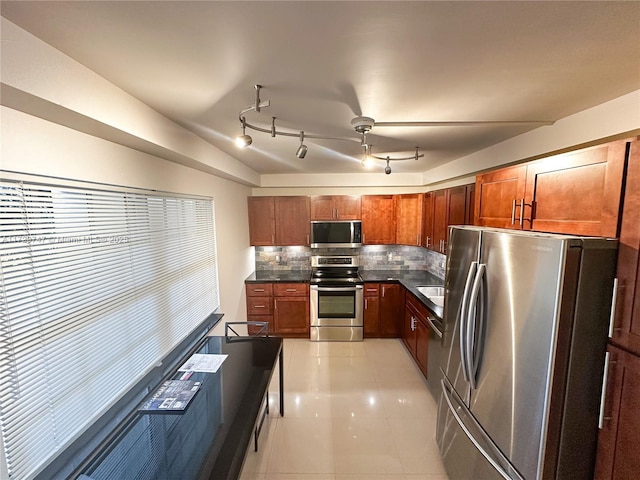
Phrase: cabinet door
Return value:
(322, 207)
(390, 310)
(577, 192)
(469, 204)
(291, 316)
(409, 219)
(371, 317)
(262, 221)
(292, 220)
(456, 207)
(378, 220)
(497, 195)
(439, 221)
(427, 221)
(626, 330)
(422, 344)
(619, 439)
(409, 330)
(348, 207)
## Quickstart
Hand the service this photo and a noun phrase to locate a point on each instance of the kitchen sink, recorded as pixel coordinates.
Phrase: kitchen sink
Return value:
(435, 294)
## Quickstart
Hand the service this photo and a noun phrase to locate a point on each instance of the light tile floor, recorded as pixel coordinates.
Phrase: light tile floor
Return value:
(353, 411)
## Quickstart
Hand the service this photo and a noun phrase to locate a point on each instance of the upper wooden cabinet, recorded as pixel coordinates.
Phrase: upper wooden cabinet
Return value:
(292, 221)
(279, 221)
(336, 207)
(497, 196)
(576, 193)
(626, 327)
(409, 219)
(378, 220)
(262, 221)
(443, 208)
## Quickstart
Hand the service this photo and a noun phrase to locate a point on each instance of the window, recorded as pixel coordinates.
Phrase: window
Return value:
(96, 287)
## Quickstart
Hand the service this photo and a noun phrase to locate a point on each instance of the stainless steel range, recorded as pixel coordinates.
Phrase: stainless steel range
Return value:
(337, 299)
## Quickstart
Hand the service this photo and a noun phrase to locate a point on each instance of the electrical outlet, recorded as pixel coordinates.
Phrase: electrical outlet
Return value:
(441, 263)
(390, 257)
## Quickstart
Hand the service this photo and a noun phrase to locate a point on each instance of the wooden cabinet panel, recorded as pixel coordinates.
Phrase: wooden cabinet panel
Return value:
(336, 207)
(371, 316)
(391, 302)
(378, 220)
(422, 345)
(291, 289)
(626, 330)
(408, 330)
(577, 192)
(470, 204)
(439, 221)
(291, 316)
(254, 329)
(427, 220)
(259, 289)
(322, 207)
(371, 289)
(348, 207)
(262, 230)
(619, 439)
(292, 220)
(409, 219)
(497, 194)
(259, 305)
(456, 208)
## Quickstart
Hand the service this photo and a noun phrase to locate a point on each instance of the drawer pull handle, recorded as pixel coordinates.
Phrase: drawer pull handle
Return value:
(292, 289)
(258, 289)
(259, 306)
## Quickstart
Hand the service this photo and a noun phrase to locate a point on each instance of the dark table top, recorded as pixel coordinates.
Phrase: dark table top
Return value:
(207, 440)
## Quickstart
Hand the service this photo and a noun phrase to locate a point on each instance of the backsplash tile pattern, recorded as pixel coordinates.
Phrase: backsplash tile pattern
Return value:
(372, 257)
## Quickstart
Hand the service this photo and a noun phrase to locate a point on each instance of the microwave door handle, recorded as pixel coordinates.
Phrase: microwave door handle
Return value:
(472, 354)
(463, 319)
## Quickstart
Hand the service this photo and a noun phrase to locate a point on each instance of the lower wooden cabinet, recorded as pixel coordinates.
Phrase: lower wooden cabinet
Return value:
(415, 333)
(285, 306)
(382, 310)
(619, 439)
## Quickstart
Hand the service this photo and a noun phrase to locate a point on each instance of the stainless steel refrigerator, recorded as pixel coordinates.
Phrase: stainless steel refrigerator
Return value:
(525, 329)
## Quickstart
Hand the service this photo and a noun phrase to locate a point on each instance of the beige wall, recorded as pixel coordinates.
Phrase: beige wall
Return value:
(35, 146)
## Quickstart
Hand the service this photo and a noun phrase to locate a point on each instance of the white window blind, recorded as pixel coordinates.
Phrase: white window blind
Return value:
(97, 286)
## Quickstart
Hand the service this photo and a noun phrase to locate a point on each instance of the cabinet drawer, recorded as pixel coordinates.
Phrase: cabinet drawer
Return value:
(259, 289)
(371, 289)
(259, 306)
(291, 289)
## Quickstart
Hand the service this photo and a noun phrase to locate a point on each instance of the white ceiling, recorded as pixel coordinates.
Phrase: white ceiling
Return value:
(323, 63)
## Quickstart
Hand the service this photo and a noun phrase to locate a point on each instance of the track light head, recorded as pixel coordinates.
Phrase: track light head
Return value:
(302, 149)
(244, 140)
(387, 169)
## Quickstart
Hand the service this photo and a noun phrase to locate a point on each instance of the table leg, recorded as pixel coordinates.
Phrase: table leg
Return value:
(281, 371)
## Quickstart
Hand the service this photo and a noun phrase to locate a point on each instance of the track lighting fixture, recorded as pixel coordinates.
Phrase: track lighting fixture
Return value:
(361, 125)
(244, 140)
(302, 149)
(387, 169)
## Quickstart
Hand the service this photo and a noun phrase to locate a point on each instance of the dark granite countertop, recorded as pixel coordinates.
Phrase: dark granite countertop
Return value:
(410, 279)
(284, 276)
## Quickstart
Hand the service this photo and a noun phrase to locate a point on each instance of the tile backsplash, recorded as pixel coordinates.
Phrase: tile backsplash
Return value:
(372, 257)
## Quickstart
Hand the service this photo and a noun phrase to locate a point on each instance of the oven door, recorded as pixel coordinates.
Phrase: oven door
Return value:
(337, 306)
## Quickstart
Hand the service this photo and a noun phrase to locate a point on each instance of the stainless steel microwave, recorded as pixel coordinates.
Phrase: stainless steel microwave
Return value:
(346, 233)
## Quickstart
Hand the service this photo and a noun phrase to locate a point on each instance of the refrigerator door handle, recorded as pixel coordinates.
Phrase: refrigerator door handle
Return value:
(472, 353)
(463, 319)
(447, 394)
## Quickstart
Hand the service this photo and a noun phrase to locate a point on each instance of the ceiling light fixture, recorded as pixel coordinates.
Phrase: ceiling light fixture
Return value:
(361, 125)
(302, 149)
(244, 140)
